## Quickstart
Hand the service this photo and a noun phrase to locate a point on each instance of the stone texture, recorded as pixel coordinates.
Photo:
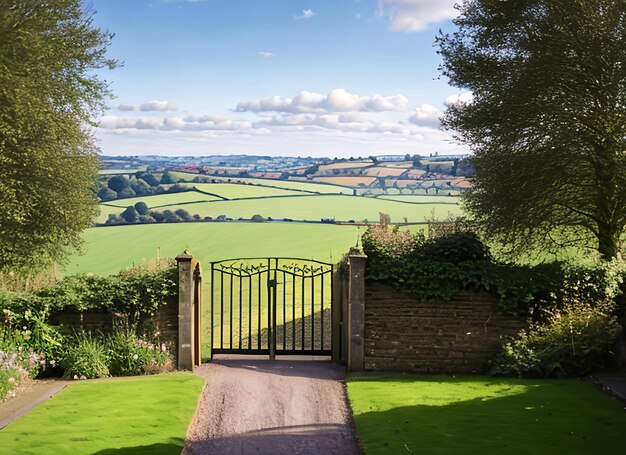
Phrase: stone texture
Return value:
(405, 333)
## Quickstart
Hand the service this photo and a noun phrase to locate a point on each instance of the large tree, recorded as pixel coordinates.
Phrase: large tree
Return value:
(50, 94)
(547, 122)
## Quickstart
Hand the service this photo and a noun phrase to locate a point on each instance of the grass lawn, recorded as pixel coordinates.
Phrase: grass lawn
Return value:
(480, 415)
(138, 415)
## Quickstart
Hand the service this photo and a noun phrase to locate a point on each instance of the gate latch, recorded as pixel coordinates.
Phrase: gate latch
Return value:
(271, 283)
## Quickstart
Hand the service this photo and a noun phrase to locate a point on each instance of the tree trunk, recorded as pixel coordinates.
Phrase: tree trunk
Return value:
(608, 240)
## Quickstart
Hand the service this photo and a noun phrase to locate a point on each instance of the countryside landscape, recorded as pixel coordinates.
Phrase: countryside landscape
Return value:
(369, 227)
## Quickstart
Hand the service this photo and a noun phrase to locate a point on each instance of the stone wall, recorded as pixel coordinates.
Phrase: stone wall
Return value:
(405, 333)
(165, 321)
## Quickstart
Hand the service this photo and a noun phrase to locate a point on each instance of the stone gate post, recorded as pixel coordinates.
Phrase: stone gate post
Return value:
(185, 312)
(356, 311)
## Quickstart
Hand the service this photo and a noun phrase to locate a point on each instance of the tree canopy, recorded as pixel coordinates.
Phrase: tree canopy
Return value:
(546, 123)
(49, 97)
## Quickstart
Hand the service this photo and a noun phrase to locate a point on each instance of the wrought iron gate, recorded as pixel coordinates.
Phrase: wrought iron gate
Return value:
(271, 306)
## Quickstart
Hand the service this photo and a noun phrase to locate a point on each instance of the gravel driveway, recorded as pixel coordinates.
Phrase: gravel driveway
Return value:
(280, 407)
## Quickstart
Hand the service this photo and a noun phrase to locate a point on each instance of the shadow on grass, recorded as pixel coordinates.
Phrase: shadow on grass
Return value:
(174, 447)
(548, 418)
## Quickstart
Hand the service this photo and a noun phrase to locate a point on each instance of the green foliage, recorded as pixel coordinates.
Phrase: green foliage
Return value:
(134, 293)
(85, 358)
(130, 215)
(25, 321)
(126, 193)
(118, 183)
(107, 194)
(443, 266)
(546, 122)
(573, 340)
(167, 179)
(17, 363)
(141, 208)
(455, 247)
(50, 54)
(131, 355)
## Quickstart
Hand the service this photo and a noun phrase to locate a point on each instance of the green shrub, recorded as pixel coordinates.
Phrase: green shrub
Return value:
(16, 365)
(132, 355)
(455, 247)
(85, 358)
(442, 266)
(572, 341)
(25, 323)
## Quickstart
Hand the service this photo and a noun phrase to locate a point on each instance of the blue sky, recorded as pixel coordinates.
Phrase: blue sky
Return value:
(279, 77)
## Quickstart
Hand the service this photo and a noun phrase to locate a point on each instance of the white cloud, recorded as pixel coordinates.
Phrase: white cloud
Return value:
(190, 123)
(426, 115)
(265, 54)
(415, 15)
(148, 106)
(306, 14)
(338, 100)
(459, 99)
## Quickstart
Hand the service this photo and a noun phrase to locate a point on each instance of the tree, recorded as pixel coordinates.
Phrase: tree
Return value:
(547, 122)
(167, 179)
(130, 215)
(141, 207)
(126, 193)
(107, 194)
(118, 183)
(50, 54)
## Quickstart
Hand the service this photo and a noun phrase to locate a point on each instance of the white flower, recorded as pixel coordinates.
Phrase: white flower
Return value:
(135, 357)
(11, 380)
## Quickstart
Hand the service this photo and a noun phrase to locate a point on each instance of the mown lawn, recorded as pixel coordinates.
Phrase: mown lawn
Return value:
(139, 415)
(403, 414)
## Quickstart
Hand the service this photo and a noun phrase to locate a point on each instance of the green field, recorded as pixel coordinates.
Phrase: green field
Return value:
(148, 414)
(304, 207)
(109, 249)
(421, 199)
(160, 200)
(286, 184)
(397, 414)
(240, 191)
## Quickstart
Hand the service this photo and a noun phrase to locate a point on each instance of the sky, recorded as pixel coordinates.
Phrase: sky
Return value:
(275, 77)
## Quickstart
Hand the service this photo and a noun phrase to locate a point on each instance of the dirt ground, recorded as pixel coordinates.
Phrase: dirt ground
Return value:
(280, 407)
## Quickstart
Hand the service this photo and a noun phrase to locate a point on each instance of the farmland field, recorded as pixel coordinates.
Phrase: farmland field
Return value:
(239, 191)
(308, 207)
(421, 199)
(110, 249)
(322, 188)
(160, 200)
(384, 171)
(347, 181)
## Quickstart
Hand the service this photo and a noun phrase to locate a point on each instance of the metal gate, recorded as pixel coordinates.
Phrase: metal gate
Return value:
(272, 306)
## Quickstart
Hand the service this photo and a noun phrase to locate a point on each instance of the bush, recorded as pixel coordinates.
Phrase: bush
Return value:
(455, 247)
(85, 358)
(16, 365)
(132, 355)
(573, 341)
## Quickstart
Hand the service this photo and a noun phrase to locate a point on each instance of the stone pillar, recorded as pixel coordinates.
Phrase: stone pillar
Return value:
(356, 311)
(185, 311)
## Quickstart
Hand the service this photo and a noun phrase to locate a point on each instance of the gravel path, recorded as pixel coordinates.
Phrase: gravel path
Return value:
(263, 407)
